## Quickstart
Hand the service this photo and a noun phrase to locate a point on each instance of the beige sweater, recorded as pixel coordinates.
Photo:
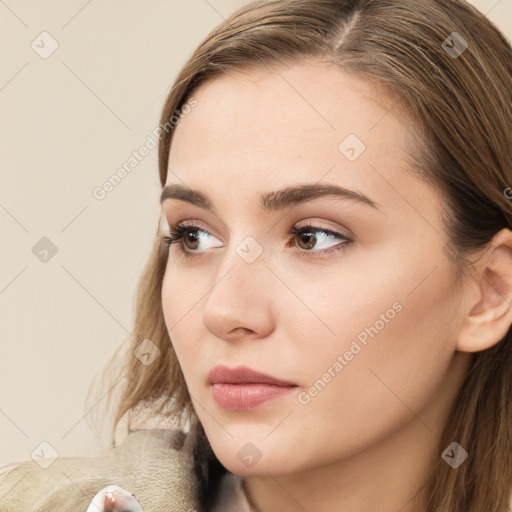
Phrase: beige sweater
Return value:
(153, 465)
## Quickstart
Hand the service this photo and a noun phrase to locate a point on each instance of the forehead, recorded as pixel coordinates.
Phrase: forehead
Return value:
(303, 112)
(265, 128)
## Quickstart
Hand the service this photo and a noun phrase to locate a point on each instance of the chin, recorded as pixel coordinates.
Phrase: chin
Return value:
(260, 468)
(254, 458)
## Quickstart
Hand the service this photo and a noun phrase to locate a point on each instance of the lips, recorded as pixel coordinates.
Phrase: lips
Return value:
(243, 375)
(242, 388)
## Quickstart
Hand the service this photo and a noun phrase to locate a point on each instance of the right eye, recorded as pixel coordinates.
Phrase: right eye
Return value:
(183, 235)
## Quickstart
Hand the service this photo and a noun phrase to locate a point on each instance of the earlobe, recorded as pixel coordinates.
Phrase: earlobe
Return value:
(489, 317)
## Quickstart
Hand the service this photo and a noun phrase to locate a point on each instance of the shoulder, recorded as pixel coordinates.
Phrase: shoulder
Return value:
(155, 465)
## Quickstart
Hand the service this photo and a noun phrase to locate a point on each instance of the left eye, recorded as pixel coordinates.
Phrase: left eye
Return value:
(308, 236)
(188, 238)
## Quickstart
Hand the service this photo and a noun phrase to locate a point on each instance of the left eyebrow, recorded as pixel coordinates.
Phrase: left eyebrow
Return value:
(272, 201)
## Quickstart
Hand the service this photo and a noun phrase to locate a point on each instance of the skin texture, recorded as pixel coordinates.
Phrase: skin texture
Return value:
(365, 441)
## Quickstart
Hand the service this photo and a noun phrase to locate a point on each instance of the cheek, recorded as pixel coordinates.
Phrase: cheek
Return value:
(392, 349)
(387, 322)
(180, 316)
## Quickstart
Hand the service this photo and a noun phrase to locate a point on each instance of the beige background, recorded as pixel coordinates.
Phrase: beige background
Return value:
(68, 123)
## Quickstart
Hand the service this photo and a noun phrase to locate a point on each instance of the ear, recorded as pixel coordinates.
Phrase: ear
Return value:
(490, 291)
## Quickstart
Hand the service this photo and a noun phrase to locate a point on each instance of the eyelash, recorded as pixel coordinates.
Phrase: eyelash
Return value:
(177, 233)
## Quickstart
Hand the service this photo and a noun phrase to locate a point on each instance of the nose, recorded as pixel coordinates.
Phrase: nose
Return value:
(240, 302)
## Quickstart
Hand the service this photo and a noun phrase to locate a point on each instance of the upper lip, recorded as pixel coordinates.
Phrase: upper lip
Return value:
(242, 374)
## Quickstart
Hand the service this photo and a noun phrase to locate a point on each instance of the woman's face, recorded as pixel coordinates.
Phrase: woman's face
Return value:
(358, 311)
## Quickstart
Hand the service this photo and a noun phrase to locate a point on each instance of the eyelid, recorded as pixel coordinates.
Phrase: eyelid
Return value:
(316, 222)
(190, 222)
(319, 223)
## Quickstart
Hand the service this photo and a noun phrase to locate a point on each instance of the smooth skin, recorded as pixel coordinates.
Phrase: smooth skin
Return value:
(366, 440)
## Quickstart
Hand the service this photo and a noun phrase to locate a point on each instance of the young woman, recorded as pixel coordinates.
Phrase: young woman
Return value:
(327, 303)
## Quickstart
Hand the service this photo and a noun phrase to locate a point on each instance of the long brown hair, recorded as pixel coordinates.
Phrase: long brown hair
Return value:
(460, 101)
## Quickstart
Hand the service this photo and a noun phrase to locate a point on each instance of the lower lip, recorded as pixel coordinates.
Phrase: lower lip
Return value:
(241, 397)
